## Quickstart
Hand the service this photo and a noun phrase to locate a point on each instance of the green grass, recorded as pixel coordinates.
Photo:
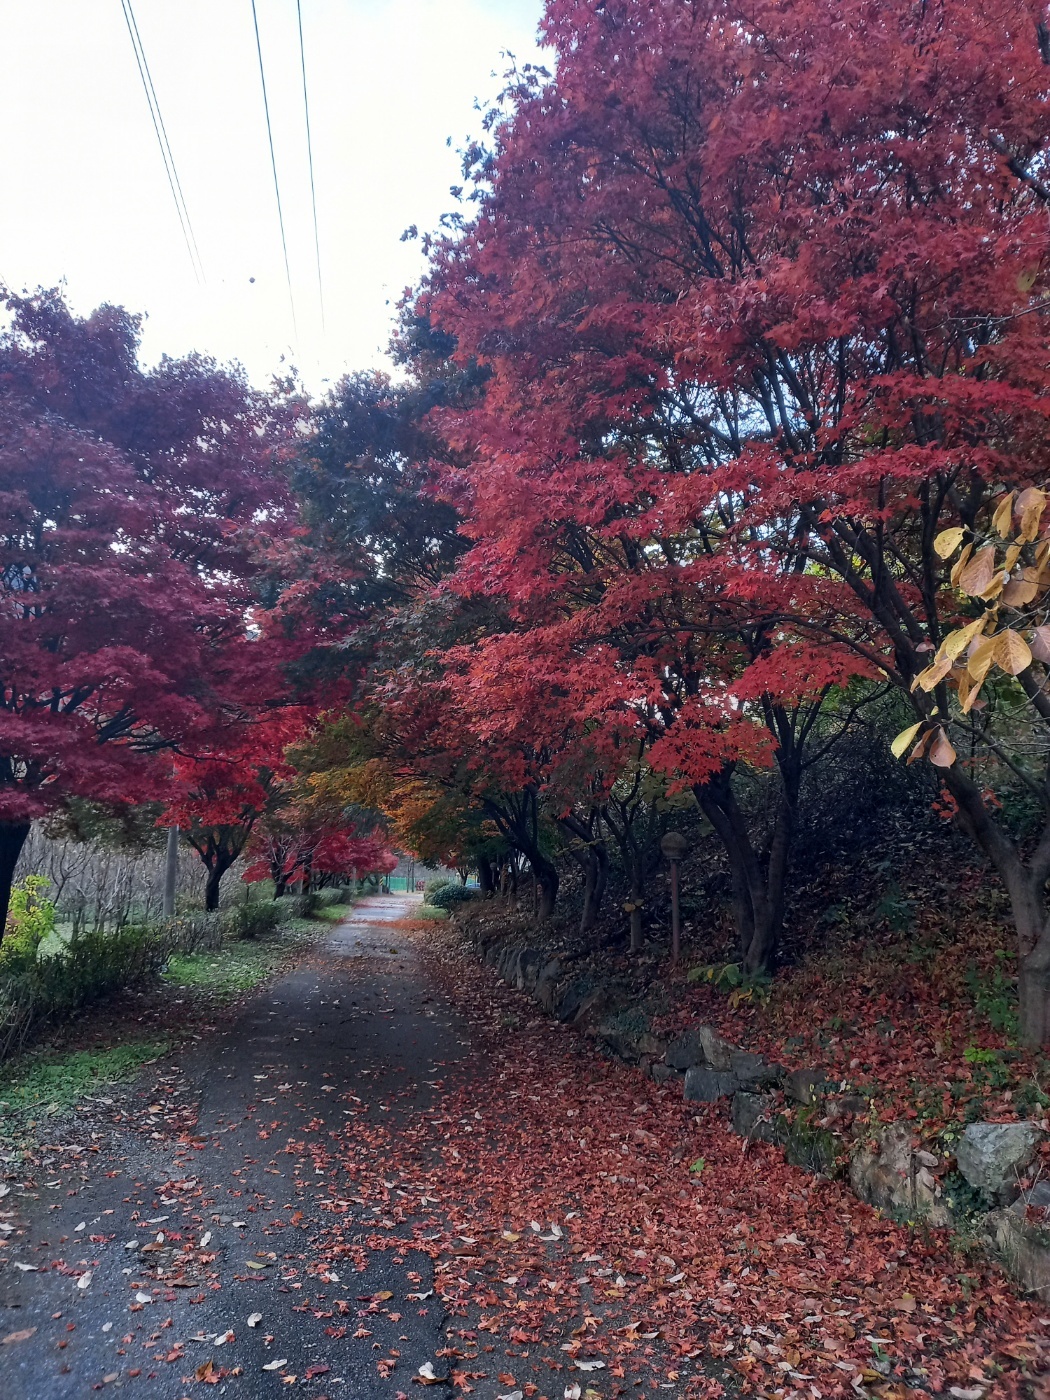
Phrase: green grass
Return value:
(333, 914)
(240, 964)
(46, 1081)
(235, 968)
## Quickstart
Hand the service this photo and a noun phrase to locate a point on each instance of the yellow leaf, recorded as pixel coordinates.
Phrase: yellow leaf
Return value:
(1012, 556)
(1003, 515)
(980, 658)
(1031, 504)
(1026, 279)
(957, 641)
(941, 754)
(904, 738)
(1012, 652)
(979, 572)
(948, 541)
(933, 675)
(967, 701)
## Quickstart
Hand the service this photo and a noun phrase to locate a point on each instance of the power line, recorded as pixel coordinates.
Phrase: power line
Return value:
(167, 156)
(310, 157)
(273, 163)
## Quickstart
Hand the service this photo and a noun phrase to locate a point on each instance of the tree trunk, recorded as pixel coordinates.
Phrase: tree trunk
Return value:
(485, 879)
(211, 889)
(1026, 886)
(545, 874)
(596, 882)
(12, 839)
(758, 882)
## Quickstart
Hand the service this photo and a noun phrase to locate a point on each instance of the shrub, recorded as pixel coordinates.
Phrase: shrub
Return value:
(91, 966)
(429, 911)
(432, 886)
(30, 919)
(299, 906)
(450, 895)
(331, 898)
(254, 919)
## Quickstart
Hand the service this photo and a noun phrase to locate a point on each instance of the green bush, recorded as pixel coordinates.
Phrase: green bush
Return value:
(254, 919)
(428, 911)
(432, 886)
(334, 897)
(30, 919)
(92, 965)
(450, 895)
(298, 906)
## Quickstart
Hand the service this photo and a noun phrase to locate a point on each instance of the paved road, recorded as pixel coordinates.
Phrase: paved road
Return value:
(353, 1029)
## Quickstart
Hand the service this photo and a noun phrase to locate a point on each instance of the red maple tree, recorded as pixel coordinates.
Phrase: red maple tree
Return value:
(761, 301)
(133, 505)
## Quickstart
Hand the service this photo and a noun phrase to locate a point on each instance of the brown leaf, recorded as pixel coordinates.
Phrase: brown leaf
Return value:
(22, 1336)
(941, 754)
(978, 575)
(1041, 645)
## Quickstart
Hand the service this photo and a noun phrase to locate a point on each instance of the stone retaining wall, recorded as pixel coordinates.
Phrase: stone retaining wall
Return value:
(820, 1125)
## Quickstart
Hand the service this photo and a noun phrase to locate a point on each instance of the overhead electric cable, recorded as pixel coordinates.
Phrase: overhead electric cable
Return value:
(273, 163)
(310, 158)
(156, 116)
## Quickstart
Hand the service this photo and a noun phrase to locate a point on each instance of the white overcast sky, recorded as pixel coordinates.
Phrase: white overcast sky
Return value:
(84, 199)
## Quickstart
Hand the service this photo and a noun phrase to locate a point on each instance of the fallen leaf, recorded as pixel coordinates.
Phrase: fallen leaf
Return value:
(22, 1336)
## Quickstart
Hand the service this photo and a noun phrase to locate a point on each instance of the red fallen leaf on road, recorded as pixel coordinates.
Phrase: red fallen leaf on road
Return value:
(317, 1370)
(22, 1336)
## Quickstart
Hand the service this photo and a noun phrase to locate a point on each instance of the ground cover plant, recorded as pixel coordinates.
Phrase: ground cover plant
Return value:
(47, 1082)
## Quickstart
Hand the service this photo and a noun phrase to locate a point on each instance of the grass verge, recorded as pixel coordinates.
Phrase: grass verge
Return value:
(48, 1081)
(239, 965)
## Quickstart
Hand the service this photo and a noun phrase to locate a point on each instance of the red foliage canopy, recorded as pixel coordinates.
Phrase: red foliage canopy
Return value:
(133, 504)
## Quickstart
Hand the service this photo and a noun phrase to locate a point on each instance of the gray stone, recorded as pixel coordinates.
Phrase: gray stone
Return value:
(753, 1115)
(1024, 1249)
(662, 1073)
(753, 1071)
(992, 1156)
(804, 1085)
(685, 1052)
(532, 960)
(546, 992)
(709, 1085)
(571, 999)
(593, 1006)
(840, 1106)
(893, 1179)
(1034, 1205)
(718, 1052)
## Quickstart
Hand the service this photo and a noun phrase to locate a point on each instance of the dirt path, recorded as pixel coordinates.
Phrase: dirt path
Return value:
(396, 1162)
(239, 1191)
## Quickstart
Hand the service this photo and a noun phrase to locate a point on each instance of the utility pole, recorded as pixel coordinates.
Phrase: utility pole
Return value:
(171, 870)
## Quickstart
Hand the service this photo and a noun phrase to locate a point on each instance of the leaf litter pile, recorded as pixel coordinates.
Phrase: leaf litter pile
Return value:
(582, 1231)
(592, 1234)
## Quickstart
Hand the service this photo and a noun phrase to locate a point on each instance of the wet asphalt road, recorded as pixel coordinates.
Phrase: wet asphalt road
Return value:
(356, 1017)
